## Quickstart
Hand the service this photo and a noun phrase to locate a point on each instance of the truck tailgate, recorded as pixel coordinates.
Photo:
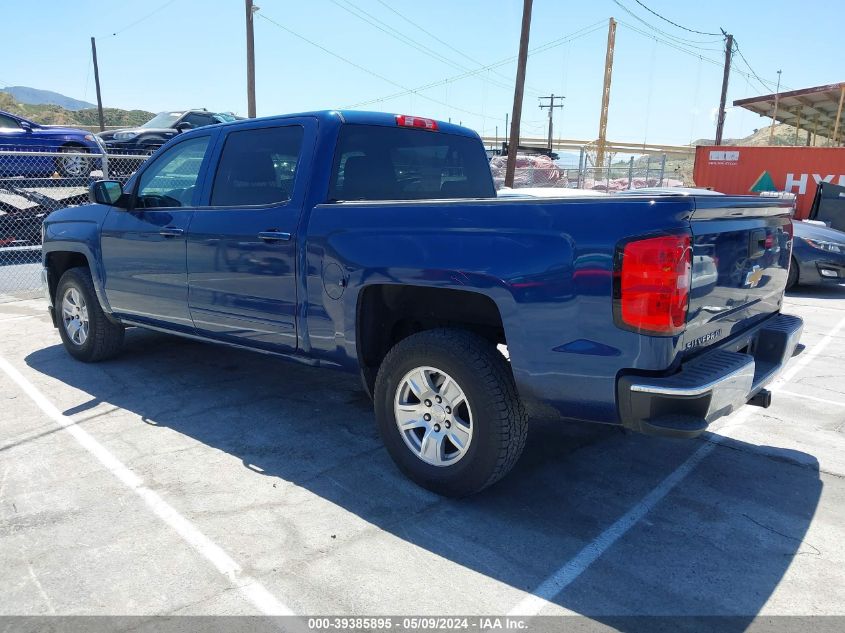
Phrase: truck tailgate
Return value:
(740, 261)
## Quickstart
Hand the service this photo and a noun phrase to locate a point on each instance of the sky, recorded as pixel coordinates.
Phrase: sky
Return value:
(378, 54)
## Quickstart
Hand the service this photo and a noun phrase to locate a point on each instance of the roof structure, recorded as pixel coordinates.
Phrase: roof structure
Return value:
(818, 110)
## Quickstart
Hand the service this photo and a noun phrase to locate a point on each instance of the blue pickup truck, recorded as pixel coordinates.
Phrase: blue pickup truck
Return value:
(375, 243)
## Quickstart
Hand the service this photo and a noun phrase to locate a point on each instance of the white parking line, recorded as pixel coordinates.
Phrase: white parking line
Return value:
(21, 317)
(249, 587)
(804, 396)
(542, 595)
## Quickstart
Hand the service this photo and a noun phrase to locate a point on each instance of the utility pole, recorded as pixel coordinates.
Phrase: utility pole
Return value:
(518, 90)
(97, 83)
(835, 138)
(720, 120)
(605, 95)
(551, 107)
(250, 60)
(775, 115)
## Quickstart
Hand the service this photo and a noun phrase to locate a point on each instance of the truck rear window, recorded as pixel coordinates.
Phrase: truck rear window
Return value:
(383, 163)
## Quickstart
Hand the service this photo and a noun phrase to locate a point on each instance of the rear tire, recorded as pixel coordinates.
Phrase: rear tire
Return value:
(458, 451)
(792, 277)
(87, 333)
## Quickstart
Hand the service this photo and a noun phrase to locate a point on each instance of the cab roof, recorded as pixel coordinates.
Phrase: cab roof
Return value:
(358, 117)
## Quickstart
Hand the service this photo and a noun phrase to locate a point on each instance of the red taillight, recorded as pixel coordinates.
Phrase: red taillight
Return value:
(651, 292)
(416, 121)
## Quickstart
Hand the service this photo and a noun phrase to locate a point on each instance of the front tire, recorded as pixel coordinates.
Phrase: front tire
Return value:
(448, 411)
(88, 335)
(73, 166)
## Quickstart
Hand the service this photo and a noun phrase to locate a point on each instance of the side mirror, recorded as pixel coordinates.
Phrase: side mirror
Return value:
(105, 192)
(27, 126)
(184, 126)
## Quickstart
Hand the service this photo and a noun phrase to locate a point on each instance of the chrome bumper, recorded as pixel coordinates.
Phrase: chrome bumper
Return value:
(710, 385)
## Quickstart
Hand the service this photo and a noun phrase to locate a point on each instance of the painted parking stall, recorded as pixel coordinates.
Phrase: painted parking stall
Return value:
(240, 464)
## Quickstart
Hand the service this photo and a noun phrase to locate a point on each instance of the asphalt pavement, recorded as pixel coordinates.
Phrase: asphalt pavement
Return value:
(184, 478)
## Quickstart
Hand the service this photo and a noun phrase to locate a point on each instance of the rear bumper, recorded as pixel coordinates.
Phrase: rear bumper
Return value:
(709, 386)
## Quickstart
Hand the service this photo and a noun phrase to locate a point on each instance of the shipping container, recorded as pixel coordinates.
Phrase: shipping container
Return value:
(754, 170)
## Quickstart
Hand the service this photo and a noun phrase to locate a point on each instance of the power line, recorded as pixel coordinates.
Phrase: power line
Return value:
(684, 45)
(671, 44)
(582, 32)
(395, 34)
(444, 43)
(682, 49)
(384, 27)
(674, 23)
(766, 85)
(141, 19)
(679, 40)
(362, 68)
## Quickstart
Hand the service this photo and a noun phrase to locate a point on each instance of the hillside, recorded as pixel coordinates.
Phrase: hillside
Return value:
(56, 115)
(34, 96)
(784, 135)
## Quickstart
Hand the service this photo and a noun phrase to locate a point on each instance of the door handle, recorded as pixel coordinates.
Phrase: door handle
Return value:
(274, 236)
(171, 231)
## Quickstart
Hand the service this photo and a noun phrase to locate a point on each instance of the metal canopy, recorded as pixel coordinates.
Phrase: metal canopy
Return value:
(817, 110)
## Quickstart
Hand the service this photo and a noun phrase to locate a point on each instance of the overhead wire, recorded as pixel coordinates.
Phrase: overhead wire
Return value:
(582, 32)
(691, 44)
(364, 69)
(673, 23)
(680, 40)
(767, 85)
(384, 27)
(141, 19)
(671, 44)
(715, 62)
(445, 43)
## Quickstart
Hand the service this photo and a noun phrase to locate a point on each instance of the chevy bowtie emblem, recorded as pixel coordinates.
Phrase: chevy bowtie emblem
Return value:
(753, 277)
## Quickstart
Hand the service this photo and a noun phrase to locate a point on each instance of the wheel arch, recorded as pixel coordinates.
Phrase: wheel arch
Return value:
(61, 258)
(389, 313)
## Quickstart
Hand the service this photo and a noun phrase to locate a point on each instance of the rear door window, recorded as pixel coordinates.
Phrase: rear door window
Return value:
(257, 167)
(384, 163)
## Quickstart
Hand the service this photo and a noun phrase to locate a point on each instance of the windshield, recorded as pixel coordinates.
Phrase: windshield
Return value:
(163, 119)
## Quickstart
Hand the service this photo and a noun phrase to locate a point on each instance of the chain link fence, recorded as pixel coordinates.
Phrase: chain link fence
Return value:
(33, 184)
(541, 171)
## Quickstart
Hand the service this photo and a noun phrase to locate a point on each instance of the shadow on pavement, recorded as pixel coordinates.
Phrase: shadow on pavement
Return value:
(718, 544)
(818, 292)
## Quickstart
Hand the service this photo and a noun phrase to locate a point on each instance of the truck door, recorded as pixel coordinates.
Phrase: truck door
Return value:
(242, 246)
(143, 247)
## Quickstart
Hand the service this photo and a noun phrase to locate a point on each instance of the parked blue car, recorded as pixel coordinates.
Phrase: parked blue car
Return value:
(21, 135)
